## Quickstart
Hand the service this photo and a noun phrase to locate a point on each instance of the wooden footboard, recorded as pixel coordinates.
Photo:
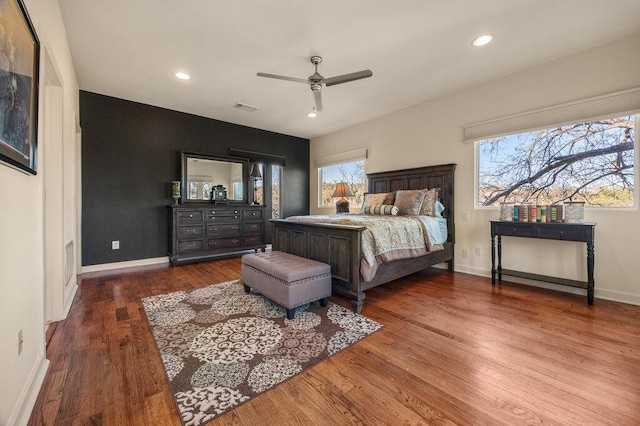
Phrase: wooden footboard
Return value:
(340, 247)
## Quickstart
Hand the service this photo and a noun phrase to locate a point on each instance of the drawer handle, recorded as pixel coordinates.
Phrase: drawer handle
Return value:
(560, 234)
(253, 213)
(235, 217)
(513, 230)
(191, 216)
(235, 211)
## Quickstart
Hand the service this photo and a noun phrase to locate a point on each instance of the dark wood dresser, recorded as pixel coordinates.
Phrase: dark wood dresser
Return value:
(204, 232)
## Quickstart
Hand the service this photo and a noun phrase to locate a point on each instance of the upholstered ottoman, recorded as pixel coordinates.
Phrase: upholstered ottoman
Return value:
(288, 280)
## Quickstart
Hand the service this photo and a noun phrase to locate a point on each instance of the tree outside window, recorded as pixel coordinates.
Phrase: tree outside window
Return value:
(592, 162)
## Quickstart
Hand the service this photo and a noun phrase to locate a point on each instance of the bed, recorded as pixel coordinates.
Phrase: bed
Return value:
(341, 245)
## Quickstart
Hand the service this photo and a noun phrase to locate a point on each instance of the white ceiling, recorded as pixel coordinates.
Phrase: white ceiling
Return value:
(417, 49)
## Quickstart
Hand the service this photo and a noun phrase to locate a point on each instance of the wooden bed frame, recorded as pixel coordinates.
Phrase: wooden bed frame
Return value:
(340, 245)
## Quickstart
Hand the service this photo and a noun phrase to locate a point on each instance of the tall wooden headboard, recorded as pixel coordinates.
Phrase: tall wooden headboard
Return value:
(441, 176)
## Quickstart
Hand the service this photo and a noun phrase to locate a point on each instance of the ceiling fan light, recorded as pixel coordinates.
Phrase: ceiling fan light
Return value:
(182, 75)
(482, 40)
(312, 113)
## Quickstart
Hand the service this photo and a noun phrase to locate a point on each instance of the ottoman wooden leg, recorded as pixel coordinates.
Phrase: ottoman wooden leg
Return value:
(247, 289)
(323, 302)
(291, 313)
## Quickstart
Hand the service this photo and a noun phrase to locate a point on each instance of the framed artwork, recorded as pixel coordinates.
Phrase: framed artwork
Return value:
(19, 60)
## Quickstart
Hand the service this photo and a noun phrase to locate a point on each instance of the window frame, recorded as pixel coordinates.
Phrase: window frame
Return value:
(636, 167)
(320, 181)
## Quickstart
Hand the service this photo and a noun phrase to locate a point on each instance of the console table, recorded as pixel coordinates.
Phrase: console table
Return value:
(580, 232)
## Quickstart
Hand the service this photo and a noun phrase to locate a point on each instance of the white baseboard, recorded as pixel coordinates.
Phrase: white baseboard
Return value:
(126, 264)
(614, 296)
(29, 394)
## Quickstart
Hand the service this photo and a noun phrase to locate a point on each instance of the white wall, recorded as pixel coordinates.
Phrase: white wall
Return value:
(432, 133)
(22, 209)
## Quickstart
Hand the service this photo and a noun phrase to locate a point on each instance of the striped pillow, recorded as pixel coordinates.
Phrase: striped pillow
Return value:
(382, 209)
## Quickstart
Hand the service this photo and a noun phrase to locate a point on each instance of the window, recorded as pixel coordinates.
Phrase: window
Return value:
(351, 172)
(590, 161)
(276, 184)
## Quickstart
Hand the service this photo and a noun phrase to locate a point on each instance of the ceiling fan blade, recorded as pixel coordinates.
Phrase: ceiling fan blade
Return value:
(282, 77)
(347, 77)
(317, 100)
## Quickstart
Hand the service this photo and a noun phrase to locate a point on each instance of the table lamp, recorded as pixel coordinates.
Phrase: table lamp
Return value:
(255, 175)
(342, 191)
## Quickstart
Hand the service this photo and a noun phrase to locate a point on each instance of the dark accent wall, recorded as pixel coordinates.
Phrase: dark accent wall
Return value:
(130, 155)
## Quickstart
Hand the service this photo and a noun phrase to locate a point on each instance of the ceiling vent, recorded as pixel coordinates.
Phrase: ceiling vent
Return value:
(245, 107)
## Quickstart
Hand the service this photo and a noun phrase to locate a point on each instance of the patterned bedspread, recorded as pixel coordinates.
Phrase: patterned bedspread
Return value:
(386, 238)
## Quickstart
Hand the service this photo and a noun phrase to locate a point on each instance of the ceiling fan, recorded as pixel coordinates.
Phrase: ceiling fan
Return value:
(315, 81)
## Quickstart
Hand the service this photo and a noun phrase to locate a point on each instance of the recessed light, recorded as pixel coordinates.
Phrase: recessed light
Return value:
(483, 40)
(182, 76)
(312, 114)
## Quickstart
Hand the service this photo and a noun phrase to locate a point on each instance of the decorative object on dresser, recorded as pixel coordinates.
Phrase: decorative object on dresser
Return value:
(342, 191)
(255, 175)
(175, 191)
(219, 195)
(204, 232)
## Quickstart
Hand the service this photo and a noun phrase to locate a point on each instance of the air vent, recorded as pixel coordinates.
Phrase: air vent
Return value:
(245, 107)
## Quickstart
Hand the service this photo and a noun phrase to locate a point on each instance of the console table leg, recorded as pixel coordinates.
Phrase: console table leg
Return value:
(500, 257)
(590, 280)
(493, 260)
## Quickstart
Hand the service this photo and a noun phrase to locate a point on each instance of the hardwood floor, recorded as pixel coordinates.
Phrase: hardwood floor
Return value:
(454, 350)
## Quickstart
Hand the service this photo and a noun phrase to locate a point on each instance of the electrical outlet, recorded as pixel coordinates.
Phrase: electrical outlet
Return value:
(115, 245)
(478, 251)
(465, 216)
(20, 342)
(465, 253)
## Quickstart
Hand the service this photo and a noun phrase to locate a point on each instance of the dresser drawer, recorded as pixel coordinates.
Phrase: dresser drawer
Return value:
(189, 216)
(253, 228)
(190, 246)
(223, 230)
(190, 231)
(221, 243)
(516, 230)
(224, 215)
(252, 214)
(222, 212)
(569, 233)
(253, 240)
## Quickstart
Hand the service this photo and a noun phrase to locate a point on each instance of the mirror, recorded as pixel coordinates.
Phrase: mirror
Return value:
(201, 173)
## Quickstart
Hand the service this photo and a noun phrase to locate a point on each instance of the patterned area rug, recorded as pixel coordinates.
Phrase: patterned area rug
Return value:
(221, 346)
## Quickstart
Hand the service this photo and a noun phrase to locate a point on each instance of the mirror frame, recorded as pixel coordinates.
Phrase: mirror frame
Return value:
(186, 155)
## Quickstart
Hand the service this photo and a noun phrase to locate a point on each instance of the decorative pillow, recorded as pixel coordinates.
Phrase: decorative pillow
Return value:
(382, 209)
(375, 199)
(439, 209)
(409, 202)
(429, 204)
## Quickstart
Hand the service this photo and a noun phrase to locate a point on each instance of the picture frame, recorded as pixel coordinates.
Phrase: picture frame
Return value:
(19, 87)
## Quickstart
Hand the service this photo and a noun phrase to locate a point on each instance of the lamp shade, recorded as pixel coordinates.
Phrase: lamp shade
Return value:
(342, 190)
(255, 171)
